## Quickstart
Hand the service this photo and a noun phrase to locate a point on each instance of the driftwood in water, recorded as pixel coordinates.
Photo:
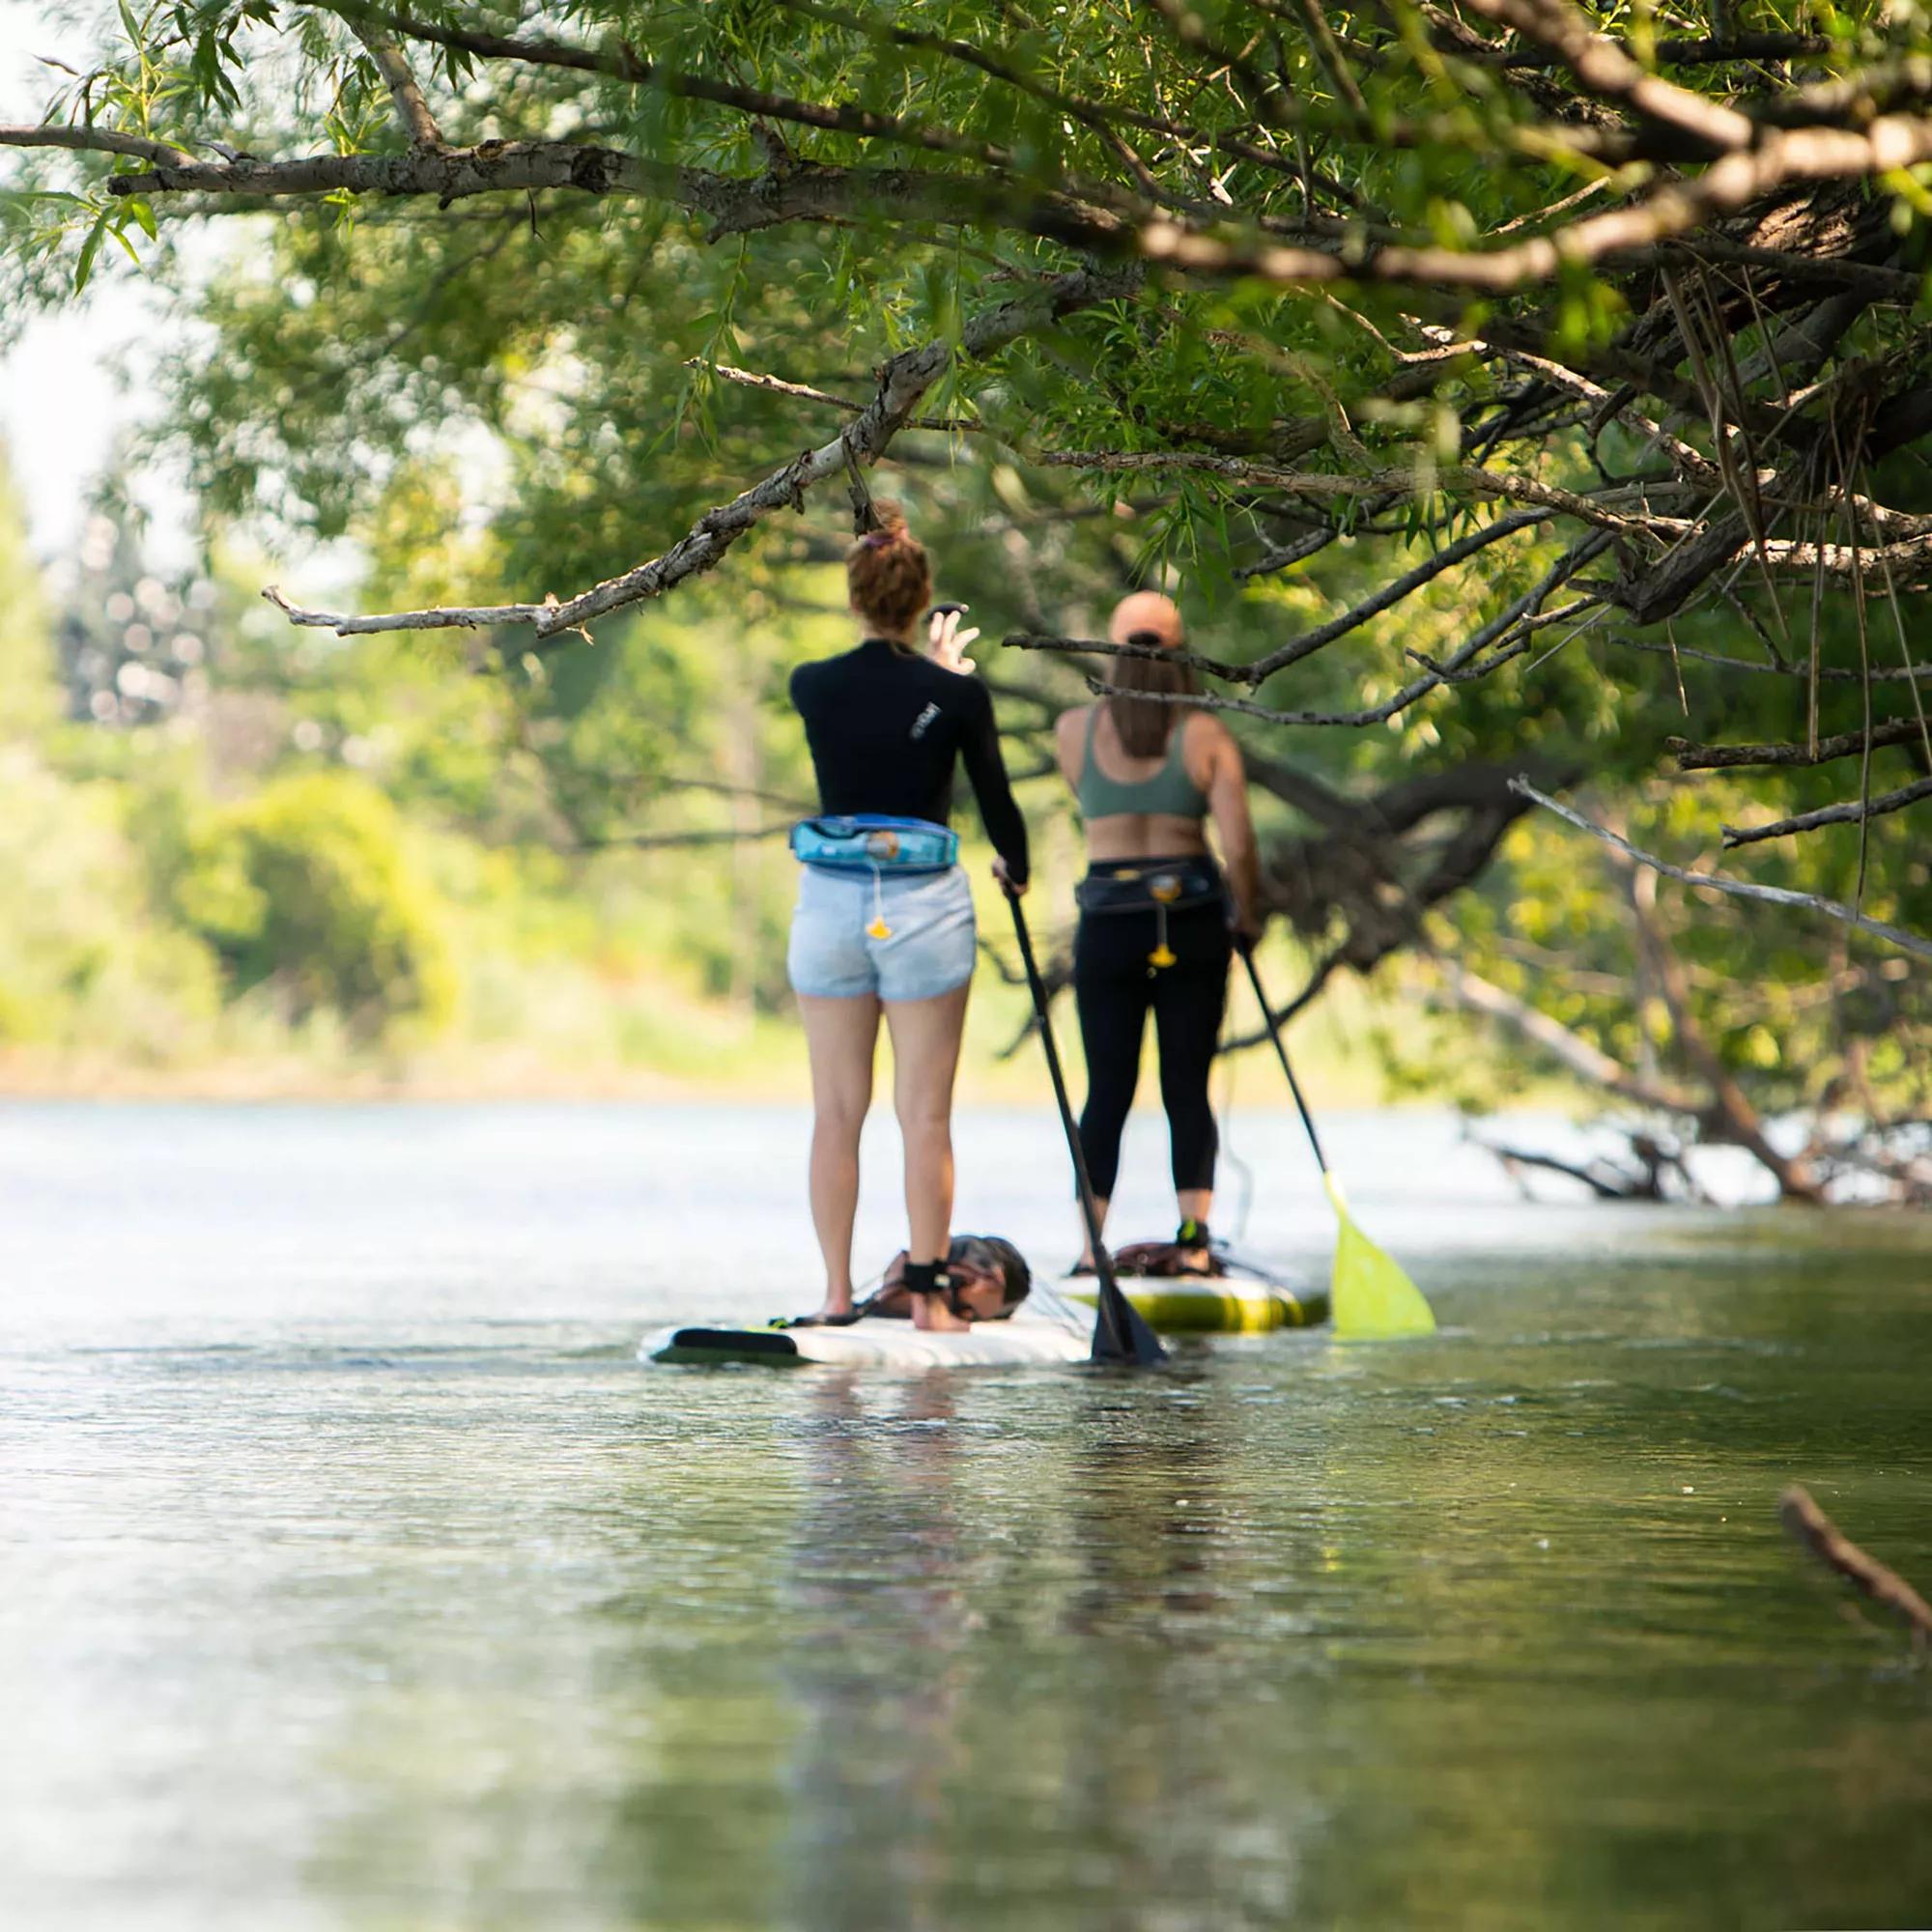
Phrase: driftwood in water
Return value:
(1805, 1522)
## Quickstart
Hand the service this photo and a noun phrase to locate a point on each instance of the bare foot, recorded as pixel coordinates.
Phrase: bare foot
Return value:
(929, 1311)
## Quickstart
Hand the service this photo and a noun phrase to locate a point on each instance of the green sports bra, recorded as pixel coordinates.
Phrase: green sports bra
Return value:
(1171, 792)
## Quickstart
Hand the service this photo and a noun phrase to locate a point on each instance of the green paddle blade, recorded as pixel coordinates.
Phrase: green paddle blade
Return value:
(1373, 1298)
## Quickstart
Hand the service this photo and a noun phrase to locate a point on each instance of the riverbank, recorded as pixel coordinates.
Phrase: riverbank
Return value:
(650, 1039)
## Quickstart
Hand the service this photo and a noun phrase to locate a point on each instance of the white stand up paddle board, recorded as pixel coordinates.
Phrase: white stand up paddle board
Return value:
(1026, 1339)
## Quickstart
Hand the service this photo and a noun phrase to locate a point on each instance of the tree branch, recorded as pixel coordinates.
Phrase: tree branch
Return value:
(1829, 674)
(1854, 812)
(1711, 51)
(1452, 478)
(1672, 209)
(95, 140)
(777, 385)
(1807, 1524)
(1509, 633)
(1570, 1050)
(1742, 889)
(1608, 73)
(624, 63)
(1847, 744)
(734, 204)
(411, 109)
(863, 439)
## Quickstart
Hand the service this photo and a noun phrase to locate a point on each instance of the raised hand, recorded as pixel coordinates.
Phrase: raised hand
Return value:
(946, 641)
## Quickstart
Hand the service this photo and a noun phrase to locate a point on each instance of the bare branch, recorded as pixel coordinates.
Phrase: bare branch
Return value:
(1608, 73)
(1713, 52)
(1807, 1524)
(1452, 478)
(1568, 1048)
(1742, 889)
(411, 109)
(95, 140)
(750, 378)
(1881, 284)
(901, 383)
(734, 204)
(1856, 813)
(1673, 209)
(1446, 559)
(661, 841)
(1829, 673)
(1847, 744)
(624, 63)
(1506, 637)
(1285, 555)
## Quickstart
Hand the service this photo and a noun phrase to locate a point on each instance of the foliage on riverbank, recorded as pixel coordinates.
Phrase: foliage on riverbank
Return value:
(272, 864)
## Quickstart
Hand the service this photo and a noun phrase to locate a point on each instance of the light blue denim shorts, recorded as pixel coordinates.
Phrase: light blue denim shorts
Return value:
(929, 949)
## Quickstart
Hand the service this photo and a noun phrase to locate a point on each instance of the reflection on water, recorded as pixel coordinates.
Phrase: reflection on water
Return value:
(355, 1575)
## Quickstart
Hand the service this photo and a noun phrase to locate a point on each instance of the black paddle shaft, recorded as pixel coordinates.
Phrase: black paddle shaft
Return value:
(1120, 1334)
(1281, 1053)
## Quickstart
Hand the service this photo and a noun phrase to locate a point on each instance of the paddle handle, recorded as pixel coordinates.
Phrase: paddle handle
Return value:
(1281, 1053)
(1116, 1318)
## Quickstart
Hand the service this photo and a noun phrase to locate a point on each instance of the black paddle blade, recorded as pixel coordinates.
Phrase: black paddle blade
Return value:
(1122, 1336)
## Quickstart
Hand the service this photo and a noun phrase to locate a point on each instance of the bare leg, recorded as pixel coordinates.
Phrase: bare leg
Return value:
(840, 1035)
(926, 1056)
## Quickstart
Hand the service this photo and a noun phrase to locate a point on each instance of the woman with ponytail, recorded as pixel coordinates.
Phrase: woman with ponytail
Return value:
(884, 921)
(1158, 920)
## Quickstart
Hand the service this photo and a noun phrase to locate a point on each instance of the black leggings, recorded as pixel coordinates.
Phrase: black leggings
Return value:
(1114, 986)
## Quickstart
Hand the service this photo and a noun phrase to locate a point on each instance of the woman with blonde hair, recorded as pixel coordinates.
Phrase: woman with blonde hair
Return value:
(1159, 919)
(884, 923)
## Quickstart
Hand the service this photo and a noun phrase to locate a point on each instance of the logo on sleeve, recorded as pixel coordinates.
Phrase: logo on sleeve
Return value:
(924, 721)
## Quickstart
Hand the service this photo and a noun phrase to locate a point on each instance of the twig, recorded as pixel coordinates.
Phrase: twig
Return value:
(750, 378)
(1807, 1524)
(1856, 812)
(1829, 673)
(95, 140)
(1624, 1187)
(647, 841)
(1846, 744)
(1742, 889)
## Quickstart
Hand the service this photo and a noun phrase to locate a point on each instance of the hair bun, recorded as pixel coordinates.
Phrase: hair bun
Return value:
(888, 574)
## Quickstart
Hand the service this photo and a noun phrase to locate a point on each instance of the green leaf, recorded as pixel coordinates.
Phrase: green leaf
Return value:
(89, 249)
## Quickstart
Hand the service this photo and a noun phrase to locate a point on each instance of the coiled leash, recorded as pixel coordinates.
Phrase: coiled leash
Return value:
(885, 842)
(1163, 890)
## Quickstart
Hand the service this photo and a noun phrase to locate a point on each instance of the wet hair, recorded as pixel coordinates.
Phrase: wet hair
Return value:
(992, 1254)
(887, 570)
(1143, 727)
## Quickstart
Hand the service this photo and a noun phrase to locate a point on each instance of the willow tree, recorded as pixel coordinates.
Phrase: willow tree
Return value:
(1533, 388)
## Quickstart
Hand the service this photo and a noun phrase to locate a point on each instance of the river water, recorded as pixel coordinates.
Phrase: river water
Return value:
(354, 1573)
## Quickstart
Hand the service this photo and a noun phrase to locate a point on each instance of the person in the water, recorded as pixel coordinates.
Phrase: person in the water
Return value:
(990, 1279)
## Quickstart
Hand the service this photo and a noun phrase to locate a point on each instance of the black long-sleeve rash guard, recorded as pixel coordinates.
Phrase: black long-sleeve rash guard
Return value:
(886, 728)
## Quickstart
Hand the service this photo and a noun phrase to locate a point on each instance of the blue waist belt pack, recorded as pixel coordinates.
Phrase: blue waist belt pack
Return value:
(868, 842)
